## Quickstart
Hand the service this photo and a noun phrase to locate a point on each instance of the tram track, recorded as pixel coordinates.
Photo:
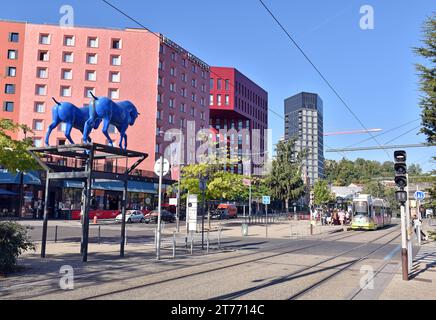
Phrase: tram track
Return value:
(90, 273)
(300, 272)
(131, 289)
(347, 265)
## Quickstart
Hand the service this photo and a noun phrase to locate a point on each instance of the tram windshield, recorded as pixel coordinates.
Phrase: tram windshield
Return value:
(360, 208)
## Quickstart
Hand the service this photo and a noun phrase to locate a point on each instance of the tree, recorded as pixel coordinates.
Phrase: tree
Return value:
(322, 193)
(375, 189)
(427, 74)
(284, 179)
(13, 242)
(13, 153)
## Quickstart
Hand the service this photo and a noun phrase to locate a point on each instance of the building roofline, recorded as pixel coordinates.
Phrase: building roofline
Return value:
(303, 92)
(236, 70)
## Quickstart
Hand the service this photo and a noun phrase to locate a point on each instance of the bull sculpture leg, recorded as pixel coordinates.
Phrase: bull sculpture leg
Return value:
(87, 129)
(123, 138)
(68, 132)
(51, 127)
(106, 123)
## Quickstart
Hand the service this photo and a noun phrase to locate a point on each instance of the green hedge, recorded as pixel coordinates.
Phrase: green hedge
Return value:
(13, 242)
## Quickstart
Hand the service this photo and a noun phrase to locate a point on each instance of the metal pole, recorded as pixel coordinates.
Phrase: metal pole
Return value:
(186, 222)
(266, 220)
(192, 241)
(89, 169)
(174, 244)
(123, 219)
(56, 234)
(159, 208)
(249, 196)
(178, 204)
(404, 253)
(207, 242)
(99, 234)
(45, 223)
(418, 216)
(409, 228)
(202, 221)
(21, 203)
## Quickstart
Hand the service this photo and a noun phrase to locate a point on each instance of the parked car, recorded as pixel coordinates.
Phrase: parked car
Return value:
(164, 215)
(132, 216)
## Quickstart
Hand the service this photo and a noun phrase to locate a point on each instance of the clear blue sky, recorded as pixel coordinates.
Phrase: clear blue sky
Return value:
(373, 69)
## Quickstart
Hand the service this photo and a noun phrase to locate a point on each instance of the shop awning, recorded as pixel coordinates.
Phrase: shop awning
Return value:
(132, 186)
(4, 192)
(32, 177)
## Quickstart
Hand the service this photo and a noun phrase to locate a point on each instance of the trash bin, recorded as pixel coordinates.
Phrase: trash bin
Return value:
(245, 229)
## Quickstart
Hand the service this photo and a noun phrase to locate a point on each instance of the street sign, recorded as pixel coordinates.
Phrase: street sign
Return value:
(246, 182)
(192, 212)
(166, 167)
(266, 199)
(173, 201)
(419, 195)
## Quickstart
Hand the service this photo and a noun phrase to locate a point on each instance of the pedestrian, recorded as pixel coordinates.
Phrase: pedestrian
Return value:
(341, 217)
(347, 217)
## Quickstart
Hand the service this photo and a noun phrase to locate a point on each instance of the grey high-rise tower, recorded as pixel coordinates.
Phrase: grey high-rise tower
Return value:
(304, 122)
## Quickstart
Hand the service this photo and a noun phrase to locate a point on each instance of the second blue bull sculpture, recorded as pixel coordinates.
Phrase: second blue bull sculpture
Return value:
(121, 115)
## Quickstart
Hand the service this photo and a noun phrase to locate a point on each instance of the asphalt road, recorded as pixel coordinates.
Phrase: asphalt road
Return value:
(332, 266)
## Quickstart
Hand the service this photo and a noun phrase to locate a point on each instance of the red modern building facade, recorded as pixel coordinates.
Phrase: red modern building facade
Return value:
(168, 85)
(238, 103)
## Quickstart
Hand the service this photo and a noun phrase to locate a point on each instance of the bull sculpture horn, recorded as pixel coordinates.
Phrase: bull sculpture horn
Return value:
(92, 94)
(57, 102)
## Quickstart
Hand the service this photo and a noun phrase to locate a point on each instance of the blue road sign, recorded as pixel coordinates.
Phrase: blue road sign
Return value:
(419, 195)
(266, 200)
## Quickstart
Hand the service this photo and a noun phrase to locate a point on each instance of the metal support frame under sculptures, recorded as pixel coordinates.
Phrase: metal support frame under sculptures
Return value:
(122, 115)
(89, 153)
(74, 117)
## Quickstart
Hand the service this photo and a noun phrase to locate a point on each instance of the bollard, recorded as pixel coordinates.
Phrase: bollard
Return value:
(56, 234)
(95, 219)
(174, 244)
(99, 234)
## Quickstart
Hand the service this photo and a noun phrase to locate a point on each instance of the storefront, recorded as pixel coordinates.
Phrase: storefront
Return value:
(107, 195)
(11, 186)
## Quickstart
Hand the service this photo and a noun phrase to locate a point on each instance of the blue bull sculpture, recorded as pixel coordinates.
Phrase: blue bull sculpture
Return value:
(122, 115)
(71, 115)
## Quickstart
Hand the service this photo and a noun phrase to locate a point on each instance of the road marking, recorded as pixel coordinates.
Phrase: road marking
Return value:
(393, 253)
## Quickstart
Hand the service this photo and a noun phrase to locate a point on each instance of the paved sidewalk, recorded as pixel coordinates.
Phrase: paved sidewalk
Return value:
(422, 283)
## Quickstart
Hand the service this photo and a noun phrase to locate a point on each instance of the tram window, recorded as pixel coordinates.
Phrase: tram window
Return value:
(360, 208)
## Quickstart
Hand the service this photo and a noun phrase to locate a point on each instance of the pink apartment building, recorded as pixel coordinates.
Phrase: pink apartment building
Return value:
(168, 85)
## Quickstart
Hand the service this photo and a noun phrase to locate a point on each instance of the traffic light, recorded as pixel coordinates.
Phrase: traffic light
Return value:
(400, 168)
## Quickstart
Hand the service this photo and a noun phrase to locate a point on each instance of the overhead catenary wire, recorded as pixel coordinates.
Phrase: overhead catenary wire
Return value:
(212, 72)
(384, 132)
(322, 75)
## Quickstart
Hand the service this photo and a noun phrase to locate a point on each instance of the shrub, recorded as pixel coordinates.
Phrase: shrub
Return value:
(13, 242)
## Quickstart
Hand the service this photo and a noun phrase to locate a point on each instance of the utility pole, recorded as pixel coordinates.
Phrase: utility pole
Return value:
(161, 166)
